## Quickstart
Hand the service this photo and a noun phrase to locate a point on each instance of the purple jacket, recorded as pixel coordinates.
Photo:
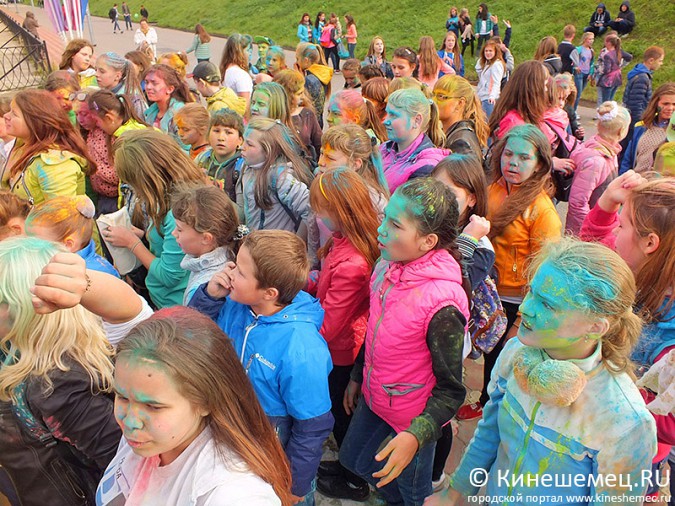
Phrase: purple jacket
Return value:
(418, 160)
(596, 166)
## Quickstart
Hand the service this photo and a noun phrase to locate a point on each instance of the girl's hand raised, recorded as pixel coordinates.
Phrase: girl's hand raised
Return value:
(221, 283)
(618, 190)
(120, 237)
(478, 227)
(61, 284)
(398, 452)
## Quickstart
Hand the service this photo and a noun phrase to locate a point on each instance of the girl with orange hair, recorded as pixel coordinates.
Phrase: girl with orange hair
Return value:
(349, 106)
(341, 200)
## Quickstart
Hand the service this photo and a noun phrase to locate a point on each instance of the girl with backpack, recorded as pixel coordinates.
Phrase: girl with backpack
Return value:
(329, 41)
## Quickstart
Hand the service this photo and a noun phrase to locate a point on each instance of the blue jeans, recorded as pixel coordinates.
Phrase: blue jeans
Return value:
(487, 107)
(351, 48)
(606, 94)
(580, 81)
(364, 437)
(308, 500)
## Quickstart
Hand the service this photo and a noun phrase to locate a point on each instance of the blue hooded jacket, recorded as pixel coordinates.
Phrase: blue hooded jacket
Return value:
(638, 91)
(288, 363)
(655, 338)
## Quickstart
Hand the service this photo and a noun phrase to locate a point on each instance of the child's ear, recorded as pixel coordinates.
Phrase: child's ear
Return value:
(207, 238)
(417, 121)
(599, 328)
(110, 117)
(70, 243)
(429, 242)
(650, 243)
(271, 294)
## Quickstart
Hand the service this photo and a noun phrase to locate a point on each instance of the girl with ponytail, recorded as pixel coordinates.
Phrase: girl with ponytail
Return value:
(562, 396)
(415, 134)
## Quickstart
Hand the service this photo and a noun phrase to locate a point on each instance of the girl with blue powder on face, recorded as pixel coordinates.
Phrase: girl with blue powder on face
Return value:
(414, 132)
(562, 398)
(411, 373)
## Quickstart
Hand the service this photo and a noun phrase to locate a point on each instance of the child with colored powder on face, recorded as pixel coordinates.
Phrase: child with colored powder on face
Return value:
(349, 106)
(274, 327)
(636, 218)
(222, 162)
(411, 372)
(562, 397)
(414, 133)
(69, 221)
(207, 230)
(522, 218)
(193, 124)
(341, 200)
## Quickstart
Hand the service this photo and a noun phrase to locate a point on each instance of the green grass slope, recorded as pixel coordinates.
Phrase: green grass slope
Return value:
(402, 22)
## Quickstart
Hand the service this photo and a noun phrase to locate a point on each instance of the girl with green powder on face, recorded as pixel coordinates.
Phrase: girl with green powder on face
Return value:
(562, 399)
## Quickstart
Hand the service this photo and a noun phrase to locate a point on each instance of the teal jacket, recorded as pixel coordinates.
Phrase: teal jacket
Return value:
(166, 280)
(167, 123)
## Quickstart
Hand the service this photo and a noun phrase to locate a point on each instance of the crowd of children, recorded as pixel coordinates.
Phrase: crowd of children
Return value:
(200, 281)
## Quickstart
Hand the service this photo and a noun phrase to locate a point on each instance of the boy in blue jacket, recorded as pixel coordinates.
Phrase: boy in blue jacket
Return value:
(274, 327)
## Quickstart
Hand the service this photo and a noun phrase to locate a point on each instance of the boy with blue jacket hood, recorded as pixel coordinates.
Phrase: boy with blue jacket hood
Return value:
(274, 327)
(625, 20)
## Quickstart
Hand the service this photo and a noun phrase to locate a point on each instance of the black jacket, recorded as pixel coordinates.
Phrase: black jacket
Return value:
(55, 446)
(461, 138)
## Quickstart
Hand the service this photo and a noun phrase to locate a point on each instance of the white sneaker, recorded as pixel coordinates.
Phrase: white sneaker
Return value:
(441, 484)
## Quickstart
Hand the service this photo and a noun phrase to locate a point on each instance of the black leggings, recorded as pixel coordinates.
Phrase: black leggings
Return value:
(331, 54)
(482, 39)
(443, 447)
(466, 43)
(511, 311)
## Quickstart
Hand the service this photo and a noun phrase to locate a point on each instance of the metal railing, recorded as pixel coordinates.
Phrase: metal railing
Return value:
(24, 61)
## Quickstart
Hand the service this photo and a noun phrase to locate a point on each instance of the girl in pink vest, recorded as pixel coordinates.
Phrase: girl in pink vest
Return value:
(414, 132)
(341, 200)
(411, 371)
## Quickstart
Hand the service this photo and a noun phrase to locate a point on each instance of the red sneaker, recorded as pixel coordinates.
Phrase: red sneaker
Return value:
(470, 411)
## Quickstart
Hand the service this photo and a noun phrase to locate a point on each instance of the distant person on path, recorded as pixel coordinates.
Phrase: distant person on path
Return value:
(144, 12)
(146, 38)
(625, 20)
(452, 24)
(599, 20)
(585, 68)
(319, 23)
(569, 55)
(351, 35)
(483, 27)
(31, 24)
(201, 44)
(608, 68)
(114, 16)
(466, 30)
(127, 17)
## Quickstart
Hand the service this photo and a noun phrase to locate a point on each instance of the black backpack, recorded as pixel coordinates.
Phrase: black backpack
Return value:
(566, 145)
(111, 14)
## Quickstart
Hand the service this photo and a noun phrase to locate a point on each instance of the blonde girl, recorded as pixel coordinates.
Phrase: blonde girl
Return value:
(596, 163)
(303, 114)
(349, 145)
(461, 114)
(69, 221)
(275, 179)
(341, 200)
(155, 167)
(119, 75)
(491, 69)
(177, 61)
(577, 331)
(207, 229)
(193, 127)
(430, 63)
(414, 131)
(311, 62)
(349, 106)
(200, 44)
(55, 379)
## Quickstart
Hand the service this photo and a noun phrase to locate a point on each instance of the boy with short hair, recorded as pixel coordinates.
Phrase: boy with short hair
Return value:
(568, 51)
(350, 70)
(222, 162)
(207, 81)
(639, 86)
(274, 327)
